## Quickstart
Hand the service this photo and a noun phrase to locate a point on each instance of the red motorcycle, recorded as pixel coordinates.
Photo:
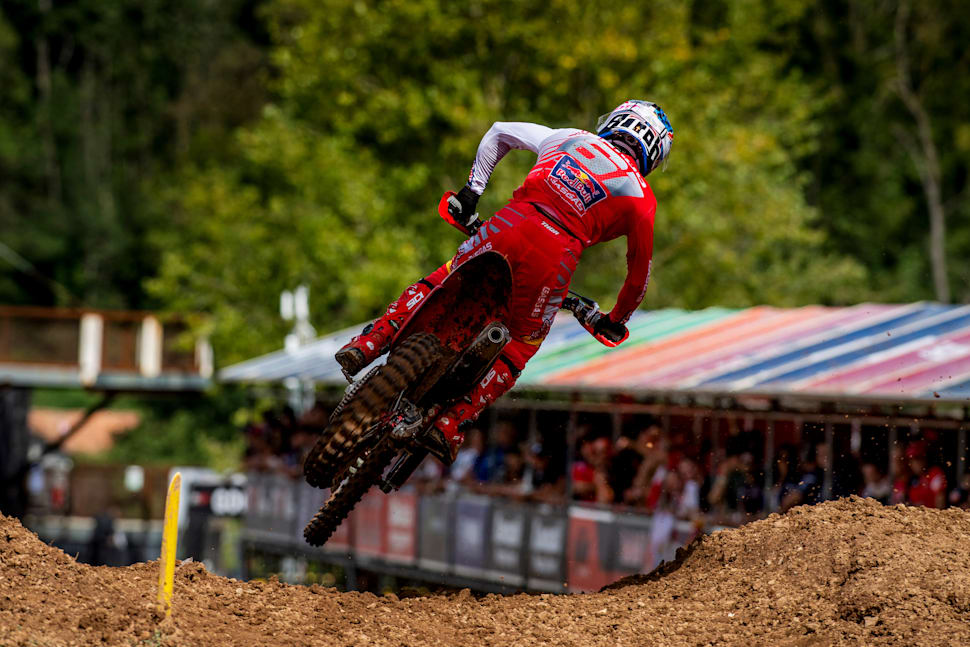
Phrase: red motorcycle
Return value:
(384, 418)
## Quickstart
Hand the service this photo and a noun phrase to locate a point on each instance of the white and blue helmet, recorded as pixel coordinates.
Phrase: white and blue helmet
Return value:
(641, 130)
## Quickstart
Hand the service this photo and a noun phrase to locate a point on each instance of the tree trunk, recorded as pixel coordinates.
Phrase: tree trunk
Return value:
(925, 157)
(52, 171)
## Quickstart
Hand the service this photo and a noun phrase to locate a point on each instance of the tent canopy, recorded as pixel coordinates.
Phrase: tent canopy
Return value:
(911, 352)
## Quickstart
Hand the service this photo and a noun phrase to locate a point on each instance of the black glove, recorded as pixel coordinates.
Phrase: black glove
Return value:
(607, 328)
(462, 205)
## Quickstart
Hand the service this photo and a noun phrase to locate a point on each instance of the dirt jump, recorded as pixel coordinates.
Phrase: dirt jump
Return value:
(848, 572)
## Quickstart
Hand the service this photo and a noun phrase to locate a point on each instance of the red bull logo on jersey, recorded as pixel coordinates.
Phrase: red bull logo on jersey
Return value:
(575, 185)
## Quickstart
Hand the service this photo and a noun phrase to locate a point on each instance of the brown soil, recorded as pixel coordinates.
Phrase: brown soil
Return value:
(849, 572)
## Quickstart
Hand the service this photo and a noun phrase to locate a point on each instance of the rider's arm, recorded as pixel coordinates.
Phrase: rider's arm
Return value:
(639, 252)
(502, 137)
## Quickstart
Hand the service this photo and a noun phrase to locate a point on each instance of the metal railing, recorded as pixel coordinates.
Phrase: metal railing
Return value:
(467, 539)
(92, 348)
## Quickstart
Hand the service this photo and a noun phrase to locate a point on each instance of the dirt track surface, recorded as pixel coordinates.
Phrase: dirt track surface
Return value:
(850, 572)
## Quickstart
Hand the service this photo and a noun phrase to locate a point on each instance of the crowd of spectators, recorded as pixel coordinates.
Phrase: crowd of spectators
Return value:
(643, 467)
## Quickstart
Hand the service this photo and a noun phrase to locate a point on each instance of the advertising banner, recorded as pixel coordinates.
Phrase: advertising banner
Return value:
(589, 549)
(507, 554)
(369, 521)
(471, 536)
(547, 546)
(434, 533)
(270, 507)
(309, 501)
(400, 542)
(534, 546)
(340, 540)
(634, 551)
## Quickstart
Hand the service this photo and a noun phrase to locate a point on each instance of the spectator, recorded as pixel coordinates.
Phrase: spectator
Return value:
(260, 456)
(960, 495)
(689, 505)
(785, 476)
(591, 471)
(511, 483)
(680, 495)
(463, 469)
(876, 485)
(736, 489)
(630, 455)
(428, 478)
(846, 476)
(903, 476)
(492, 461)
(808, 488)
(927, 486)
(648, 482)
(548, 478)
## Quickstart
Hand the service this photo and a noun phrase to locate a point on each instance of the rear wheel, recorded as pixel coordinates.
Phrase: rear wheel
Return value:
(338, 446)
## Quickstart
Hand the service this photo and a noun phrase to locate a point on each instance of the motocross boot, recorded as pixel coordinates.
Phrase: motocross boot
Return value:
(448, 433)
(375, 338)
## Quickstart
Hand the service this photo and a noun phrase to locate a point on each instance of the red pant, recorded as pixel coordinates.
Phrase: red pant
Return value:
(543, 259)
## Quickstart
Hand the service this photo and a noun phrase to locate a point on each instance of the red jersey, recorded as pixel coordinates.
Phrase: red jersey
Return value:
(595, 192)
(928, 487)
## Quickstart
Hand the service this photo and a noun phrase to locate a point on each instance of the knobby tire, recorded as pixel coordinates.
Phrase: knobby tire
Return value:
(335, 448)
(338, 447)
(346, 495)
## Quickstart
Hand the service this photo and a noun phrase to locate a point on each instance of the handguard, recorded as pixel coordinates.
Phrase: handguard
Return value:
(469, 229)
(588, 314)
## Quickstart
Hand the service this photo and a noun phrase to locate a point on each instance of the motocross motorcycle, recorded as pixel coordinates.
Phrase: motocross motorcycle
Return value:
(448, 345)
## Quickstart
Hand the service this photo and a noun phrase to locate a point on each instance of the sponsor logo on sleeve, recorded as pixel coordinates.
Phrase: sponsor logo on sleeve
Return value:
(575, 185)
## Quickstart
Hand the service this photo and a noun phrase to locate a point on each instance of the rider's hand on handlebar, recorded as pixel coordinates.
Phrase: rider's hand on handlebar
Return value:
(462, 205)
(605, 327)
(596, 322)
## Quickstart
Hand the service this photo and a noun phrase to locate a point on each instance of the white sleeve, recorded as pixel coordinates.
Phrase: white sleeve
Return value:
(502, 137)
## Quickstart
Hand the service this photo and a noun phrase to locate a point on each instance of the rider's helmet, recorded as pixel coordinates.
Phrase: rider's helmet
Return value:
(641, 130)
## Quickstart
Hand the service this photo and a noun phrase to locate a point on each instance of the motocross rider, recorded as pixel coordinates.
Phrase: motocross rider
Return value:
(583, 190)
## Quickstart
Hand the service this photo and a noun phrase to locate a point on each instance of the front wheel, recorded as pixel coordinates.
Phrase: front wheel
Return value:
(367, 469)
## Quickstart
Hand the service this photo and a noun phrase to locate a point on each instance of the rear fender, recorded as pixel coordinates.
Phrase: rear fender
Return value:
(474, 294)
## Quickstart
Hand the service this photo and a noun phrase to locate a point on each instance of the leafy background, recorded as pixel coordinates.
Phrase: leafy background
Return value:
(199, 157)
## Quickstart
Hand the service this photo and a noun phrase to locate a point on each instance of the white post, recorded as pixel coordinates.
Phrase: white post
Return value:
(89, 347)
(150, 347)
(203, 357)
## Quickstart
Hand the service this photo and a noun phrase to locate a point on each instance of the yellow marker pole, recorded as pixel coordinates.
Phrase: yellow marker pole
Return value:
(166, 561)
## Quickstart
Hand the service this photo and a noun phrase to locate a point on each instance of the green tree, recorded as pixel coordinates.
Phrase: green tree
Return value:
(100, 101)
(891, 74)
(380, 108)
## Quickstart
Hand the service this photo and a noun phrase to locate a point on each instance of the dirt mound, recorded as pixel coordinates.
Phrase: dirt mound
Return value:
(849, 572)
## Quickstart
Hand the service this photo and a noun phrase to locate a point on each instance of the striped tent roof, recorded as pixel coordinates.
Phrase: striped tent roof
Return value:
(915, 351)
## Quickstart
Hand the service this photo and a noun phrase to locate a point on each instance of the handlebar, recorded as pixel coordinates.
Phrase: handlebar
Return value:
(587, 312)
(469, 229)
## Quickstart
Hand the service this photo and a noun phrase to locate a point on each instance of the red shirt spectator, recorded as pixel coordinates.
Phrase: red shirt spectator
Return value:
(928, 486)
(930, 489)
(590, 475)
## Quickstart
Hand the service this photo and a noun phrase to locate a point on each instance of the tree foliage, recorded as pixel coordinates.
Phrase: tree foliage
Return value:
(202, 157)
(337, 184)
